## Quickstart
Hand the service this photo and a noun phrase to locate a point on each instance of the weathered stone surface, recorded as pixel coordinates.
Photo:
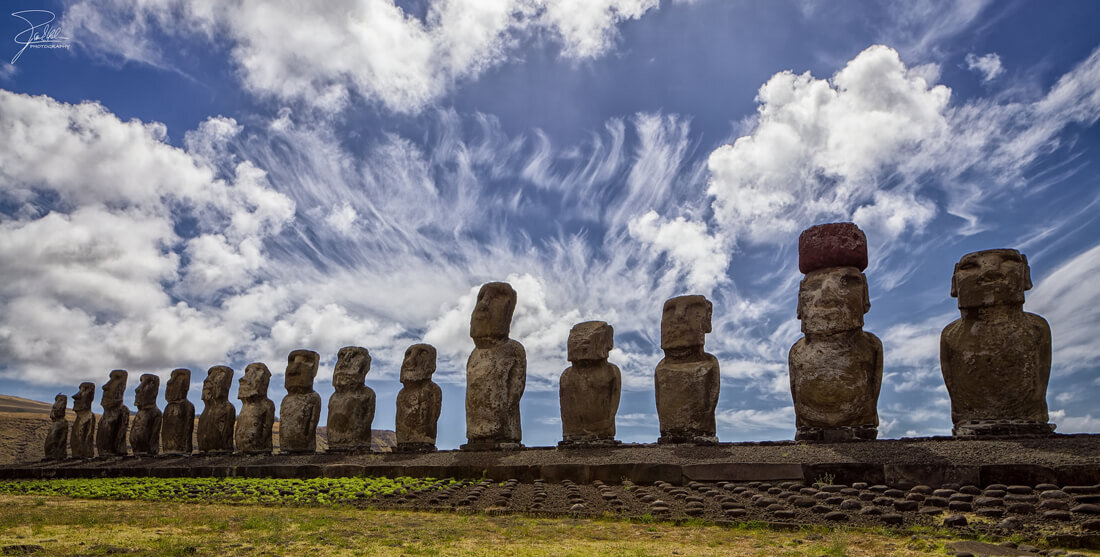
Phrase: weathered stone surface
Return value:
(218, 415)
(687, 379)
(995, 358)
(82, 438)
(419, 402)
(178, 420)
(58, 437)
(145, 431)
(838, 244)
(301, 407)
(496, 372)
(836, 368)
(351, 407)
(589, 389)
(252, 430)
(110, 439)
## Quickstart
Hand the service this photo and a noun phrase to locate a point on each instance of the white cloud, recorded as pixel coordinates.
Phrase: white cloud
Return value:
(750, 419)
(988, 66)
(703, 257)
(1074, 424)
(1069, 298)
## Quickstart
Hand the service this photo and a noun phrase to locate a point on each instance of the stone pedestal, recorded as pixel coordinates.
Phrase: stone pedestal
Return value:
(496, 373)
(252, 432)
(589, 390)
(145, 431)
(687, 380)
(82, 439)
(58, 437)
(419, 402)
(110, 438)
(215, 435)
(351, 407)
(178, 421)
(301, 407)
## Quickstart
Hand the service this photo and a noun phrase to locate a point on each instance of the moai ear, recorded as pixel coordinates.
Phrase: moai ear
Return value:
(954, 287)
(710, 312)
(866, 295)
(1027, 273)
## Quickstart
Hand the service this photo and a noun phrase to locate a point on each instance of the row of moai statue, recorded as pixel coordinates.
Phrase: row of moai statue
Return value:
(835, 374)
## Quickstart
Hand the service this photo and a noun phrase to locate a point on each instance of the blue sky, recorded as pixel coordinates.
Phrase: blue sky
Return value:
(220, 182)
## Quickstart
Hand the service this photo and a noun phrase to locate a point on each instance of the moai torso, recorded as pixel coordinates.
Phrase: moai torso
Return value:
(687, 380)
(496, 372)
(82, 440)
(301, 407)
(351, 406)
(145, 431)
(996, 358)
(110, 438)
(252, 430)
(588, 391)
(836, 368)
(419, 401)
(178, 421)
(58, 436)
(215, 432)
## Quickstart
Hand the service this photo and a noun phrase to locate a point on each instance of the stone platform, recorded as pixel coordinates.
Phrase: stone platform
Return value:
(1054, 459)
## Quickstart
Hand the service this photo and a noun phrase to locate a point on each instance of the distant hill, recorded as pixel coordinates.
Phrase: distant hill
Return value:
(24, 424)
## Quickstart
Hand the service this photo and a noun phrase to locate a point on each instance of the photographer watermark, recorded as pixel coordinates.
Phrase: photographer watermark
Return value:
(39, 32)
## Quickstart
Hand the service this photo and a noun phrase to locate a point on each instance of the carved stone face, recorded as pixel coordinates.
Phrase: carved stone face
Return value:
(255, 381)
(419, 363)
(114, 388)
(178, 385)
(990, 278)
(59, 404)
(146, 394)
(352, 366)
(591, 340)
(84, 396)
(301, 368)
(492, 316)
(685, 322)
(833, 300)
(216, 385)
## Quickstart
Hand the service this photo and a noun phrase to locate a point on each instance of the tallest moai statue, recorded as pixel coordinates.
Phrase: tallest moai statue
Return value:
(496, 373)
(996, 357)
(836, 368)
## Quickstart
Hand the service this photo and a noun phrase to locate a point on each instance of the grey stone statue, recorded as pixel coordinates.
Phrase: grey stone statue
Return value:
(419, 401)
(351, 407)
(252, 432)
(218, 414)
(82, 440)
(589, 389)
(145, 431)
(110, 439)
(687, 379)
(301, 407)
(996, 358)
(178, 422)
(58, 437)
(836, 368)
(496, 373)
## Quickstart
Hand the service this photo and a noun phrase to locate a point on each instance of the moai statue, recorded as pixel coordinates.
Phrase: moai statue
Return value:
(145, 432)
(419, 402)
(218, 414)
(301, 407)
(687, 379)
(82, 440)
(178, 422)
(995, 358)
(496, 373)
(589, 389)
(351, 407)
(110, 439)
(58, 436)
(836, 368)
(252, 431)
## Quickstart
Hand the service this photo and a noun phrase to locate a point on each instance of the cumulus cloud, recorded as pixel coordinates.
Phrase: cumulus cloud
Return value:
(1068, 297)
(702, 257)
(987, 66)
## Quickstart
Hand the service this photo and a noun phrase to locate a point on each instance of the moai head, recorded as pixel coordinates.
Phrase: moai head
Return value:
(58, 411)
(492, 316)
(591, 340)
(84, 396)
(146, 394)
(833, 299)
(114, 389)
(352, 365)
(685, 322)
(254, 383)
(301, 368)
(178, 385)
(216, 385)
(419, 363)
(991, 277)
